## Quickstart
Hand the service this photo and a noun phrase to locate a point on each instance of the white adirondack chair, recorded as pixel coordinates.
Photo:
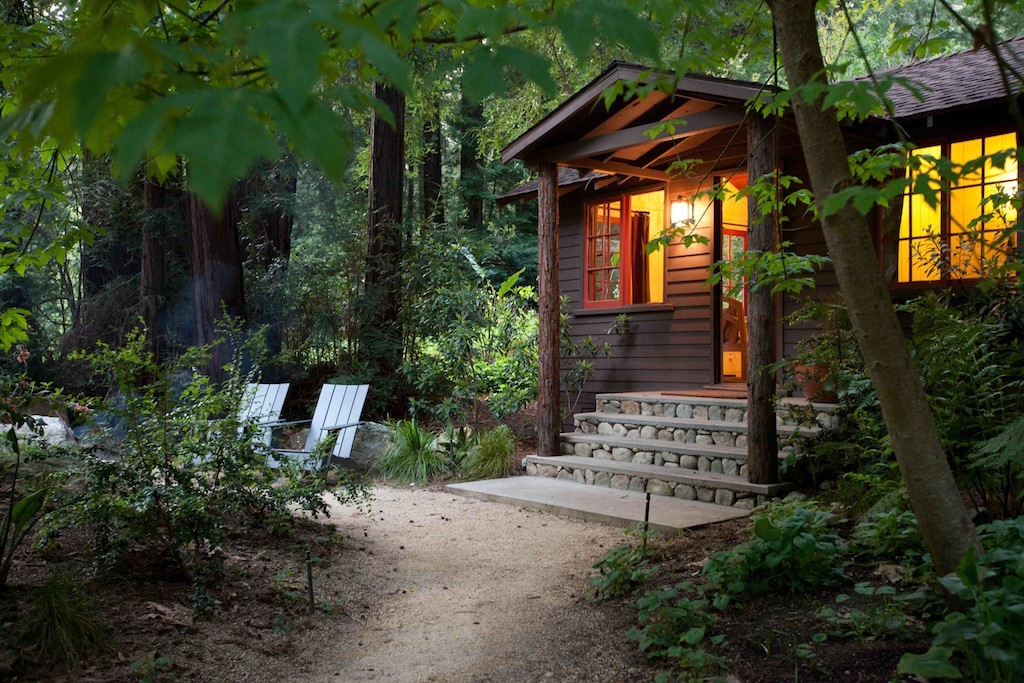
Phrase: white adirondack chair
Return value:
(262, 405)
(337, 410)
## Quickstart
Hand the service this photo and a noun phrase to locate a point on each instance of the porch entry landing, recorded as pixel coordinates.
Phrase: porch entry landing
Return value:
(687, 449)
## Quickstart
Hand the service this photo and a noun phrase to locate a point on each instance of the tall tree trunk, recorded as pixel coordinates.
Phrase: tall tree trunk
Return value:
(162, 218)
(215, 259)
(266, 199)
(763, 445)
(945, 524)
(433, 210)
(471, 177)
(549, 419)
(380, 344)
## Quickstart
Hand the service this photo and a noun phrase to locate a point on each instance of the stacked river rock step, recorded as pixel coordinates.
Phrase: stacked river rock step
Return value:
(684, 446)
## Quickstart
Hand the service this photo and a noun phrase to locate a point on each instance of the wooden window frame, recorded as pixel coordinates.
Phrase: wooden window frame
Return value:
(625, 301)
(945, 280)
(623, 266)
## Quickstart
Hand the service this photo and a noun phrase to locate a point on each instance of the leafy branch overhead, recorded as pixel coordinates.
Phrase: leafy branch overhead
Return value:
(218, 85)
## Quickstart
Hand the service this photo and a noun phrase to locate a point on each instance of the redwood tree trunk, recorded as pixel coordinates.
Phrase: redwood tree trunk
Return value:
(380, 344)
(762, 444)
(433, 210)
(945, 524)
(267, 197)
(549, 420)
(469, 164)
(215, 260)
(160, 234)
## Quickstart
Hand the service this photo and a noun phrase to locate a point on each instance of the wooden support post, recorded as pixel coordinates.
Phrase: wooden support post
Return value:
(549, 420)
(762, 441)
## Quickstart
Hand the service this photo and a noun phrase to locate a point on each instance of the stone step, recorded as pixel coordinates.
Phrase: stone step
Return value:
(662, 422)
(600, 426)
(597, 504)
(721, 489)
(790, 410)
(670, 454)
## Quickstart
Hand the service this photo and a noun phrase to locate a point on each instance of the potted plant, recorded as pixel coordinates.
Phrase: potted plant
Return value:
(821, 357)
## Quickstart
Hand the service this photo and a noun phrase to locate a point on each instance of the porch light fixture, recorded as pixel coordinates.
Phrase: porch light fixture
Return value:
(681, 211)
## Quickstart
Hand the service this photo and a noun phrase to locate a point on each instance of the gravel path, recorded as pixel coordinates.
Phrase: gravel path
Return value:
(467, 590)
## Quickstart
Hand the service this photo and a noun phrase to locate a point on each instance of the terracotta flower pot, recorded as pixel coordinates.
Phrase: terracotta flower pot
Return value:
(811, 380)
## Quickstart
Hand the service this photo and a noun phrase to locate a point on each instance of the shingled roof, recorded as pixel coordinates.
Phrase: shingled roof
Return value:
(941, 85)
(567, 177)
(954, 82)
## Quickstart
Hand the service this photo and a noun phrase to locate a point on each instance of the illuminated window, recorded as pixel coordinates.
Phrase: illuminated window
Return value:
(962, 236)
(618, 271)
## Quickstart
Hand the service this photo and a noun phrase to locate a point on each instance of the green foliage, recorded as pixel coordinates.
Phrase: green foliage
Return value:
(61, 625)
(792, 550)
(674, 626)
(981, 641)
(20, 514)
(625, 568)
(886, 620)
(180, 467)
(971, 360)
(415, 456)
(477, 342)
(491, 456)
(890, 534)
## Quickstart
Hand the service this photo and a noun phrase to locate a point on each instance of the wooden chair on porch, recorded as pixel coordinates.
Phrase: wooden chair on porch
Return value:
(337, 413)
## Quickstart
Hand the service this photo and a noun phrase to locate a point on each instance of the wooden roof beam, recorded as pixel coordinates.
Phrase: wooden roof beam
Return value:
(713, 119)
(619, 168)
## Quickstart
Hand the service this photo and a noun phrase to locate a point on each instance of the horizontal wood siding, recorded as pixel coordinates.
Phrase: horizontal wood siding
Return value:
(807, 238)
(662, 349)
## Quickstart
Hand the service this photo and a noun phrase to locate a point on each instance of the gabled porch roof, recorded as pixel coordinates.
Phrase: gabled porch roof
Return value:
(627, 138)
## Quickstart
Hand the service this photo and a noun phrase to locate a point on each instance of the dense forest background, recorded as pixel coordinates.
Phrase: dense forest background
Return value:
(409, 301)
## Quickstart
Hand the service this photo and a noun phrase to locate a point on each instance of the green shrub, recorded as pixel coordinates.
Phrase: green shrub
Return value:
(890, 533)
(415, 456)
(625, 567)
(981, 641)
(675, 626)
(792, 550)
(971, 362)
(60, 625)
(180, 468)
(491, 457)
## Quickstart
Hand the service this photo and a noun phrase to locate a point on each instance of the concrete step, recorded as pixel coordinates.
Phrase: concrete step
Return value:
(597, 504)
(729, 490)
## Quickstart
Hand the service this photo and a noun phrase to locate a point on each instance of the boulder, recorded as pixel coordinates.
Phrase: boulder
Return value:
(371, 442)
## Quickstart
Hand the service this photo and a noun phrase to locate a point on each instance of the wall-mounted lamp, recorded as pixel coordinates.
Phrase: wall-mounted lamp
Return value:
(681, 211)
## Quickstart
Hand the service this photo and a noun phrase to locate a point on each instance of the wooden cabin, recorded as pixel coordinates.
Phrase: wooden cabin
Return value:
(617, 188)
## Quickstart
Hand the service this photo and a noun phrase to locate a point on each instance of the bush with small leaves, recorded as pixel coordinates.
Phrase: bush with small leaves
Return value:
(981, 640)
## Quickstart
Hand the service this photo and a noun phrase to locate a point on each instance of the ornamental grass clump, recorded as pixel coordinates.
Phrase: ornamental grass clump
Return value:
(491, 458)
(415, 456)
(60, 625)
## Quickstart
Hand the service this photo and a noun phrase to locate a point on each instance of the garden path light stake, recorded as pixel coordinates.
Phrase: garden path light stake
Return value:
(647, 519)
(309, 579)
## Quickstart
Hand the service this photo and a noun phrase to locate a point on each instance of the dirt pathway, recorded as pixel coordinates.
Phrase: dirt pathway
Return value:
(472, 591)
